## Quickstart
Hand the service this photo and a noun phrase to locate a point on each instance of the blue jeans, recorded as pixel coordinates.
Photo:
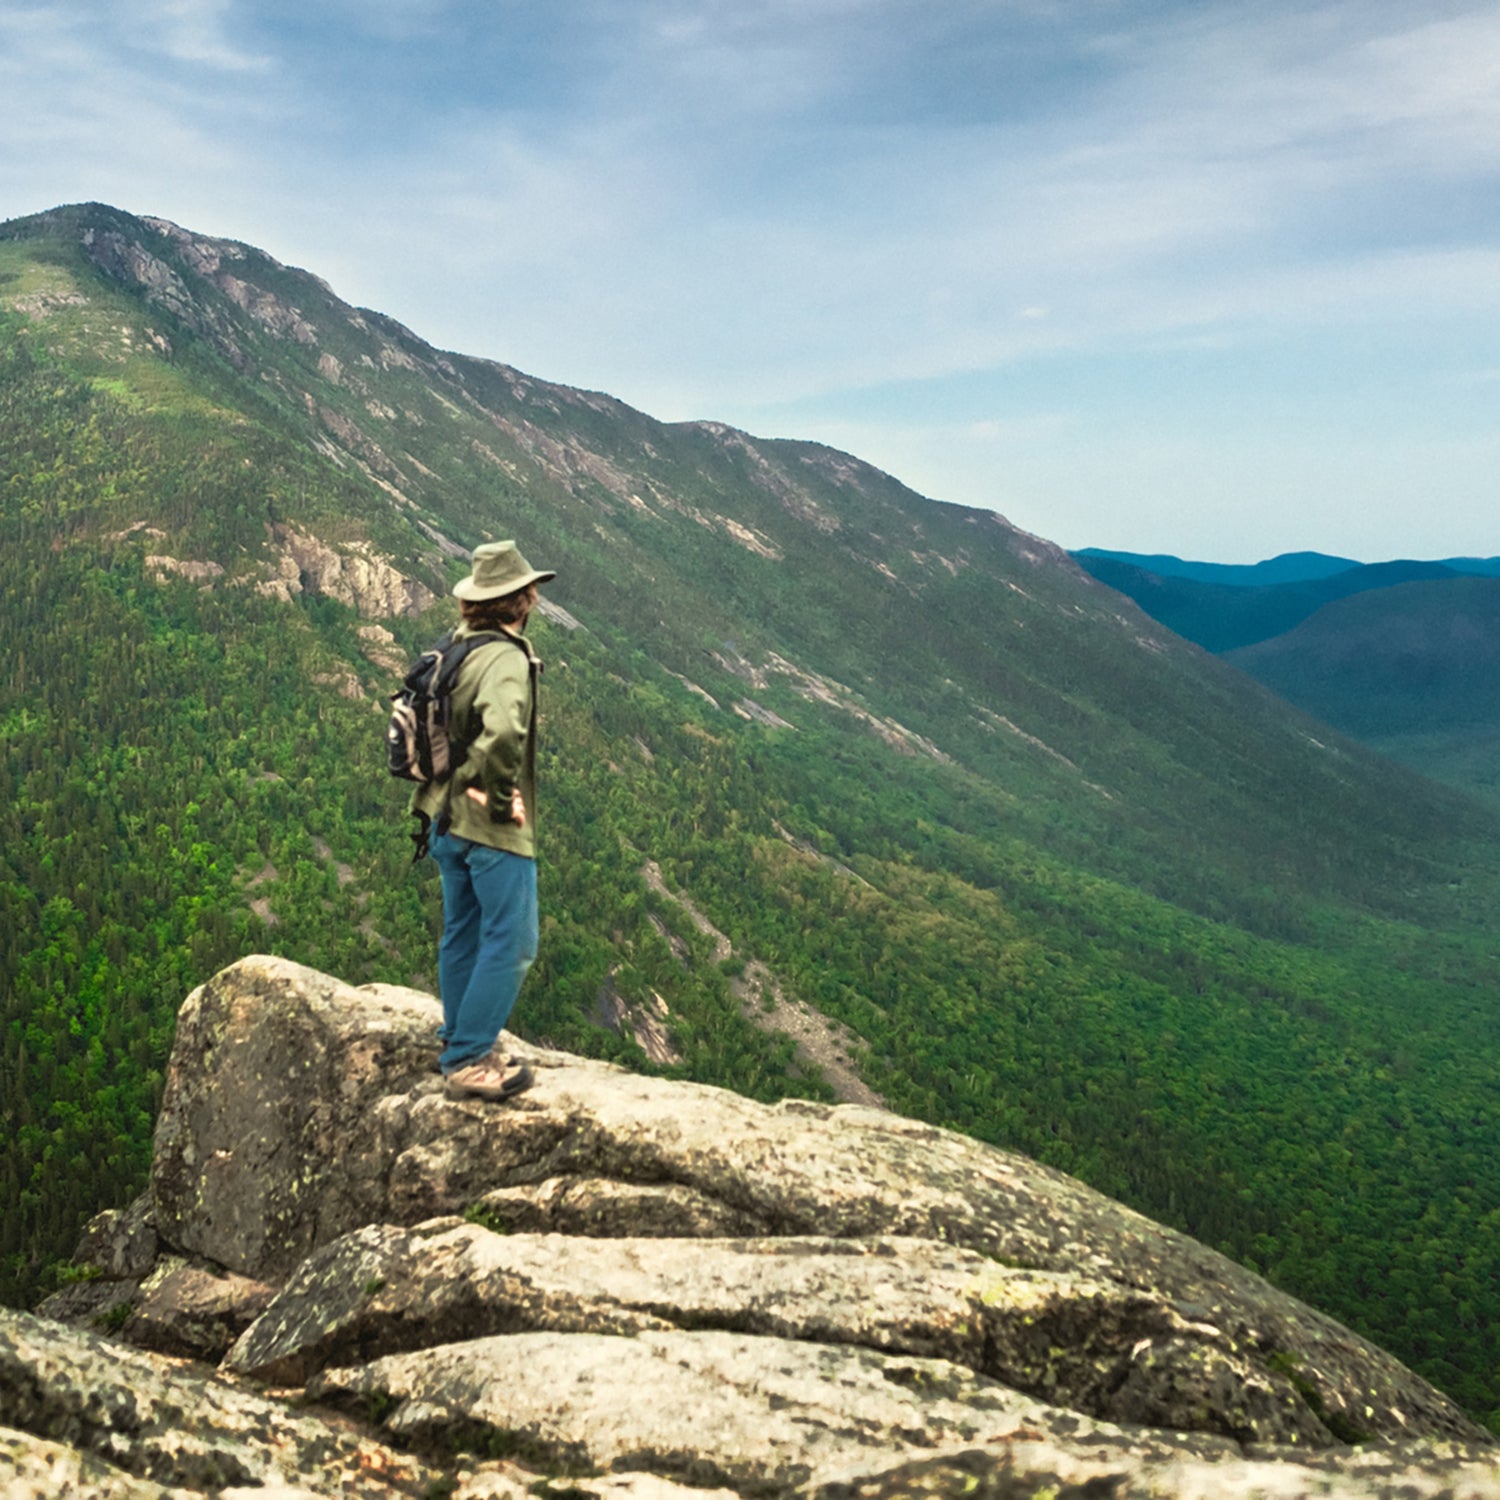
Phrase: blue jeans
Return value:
(489, 942)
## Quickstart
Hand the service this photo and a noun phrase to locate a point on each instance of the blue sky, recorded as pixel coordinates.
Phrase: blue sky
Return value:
(1207, 278)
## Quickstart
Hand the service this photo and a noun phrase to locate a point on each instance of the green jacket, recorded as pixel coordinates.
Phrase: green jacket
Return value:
(494, 710)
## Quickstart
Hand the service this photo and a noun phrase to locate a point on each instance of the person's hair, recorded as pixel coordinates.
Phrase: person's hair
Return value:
(491, 614)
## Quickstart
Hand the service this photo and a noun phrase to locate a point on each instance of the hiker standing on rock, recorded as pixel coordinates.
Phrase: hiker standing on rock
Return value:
(483, 826)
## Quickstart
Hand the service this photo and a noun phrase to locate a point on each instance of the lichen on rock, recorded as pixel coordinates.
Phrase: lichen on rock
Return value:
(627, 1285)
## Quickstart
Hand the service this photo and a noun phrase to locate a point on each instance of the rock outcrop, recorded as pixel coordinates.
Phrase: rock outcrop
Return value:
(159, 1420)
(623, 1285)
(358, 576)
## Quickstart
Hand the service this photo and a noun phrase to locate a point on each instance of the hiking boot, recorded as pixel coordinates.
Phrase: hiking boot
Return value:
(494, 1077)
(494, 1055)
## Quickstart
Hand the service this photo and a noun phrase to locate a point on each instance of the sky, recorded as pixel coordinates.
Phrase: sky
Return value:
(1187, 276)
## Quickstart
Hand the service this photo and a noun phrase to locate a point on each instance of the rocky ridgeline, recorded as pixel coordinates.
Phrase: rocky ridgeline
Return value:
(343, 1283)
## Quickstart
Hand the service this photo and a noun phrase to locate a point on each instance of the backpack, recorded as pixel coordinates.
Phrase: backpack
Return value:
(420, 742)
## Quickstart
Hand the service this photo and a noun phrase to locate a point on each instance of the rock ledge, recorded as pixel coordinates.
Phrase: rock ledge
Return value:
(634, 1286)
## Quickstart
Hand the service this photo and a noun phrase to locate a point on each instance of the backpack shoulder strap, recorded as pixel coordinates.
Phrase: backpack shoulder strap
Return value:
(452, 660)
(450, 656)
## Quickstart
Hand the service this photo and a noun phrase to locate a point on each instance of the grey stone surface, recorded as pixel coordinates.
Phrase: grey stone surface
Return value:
(624, 1288)
(1035, 1469)
(120, 1243)
(710, 1408)
(262, 1146)
(175, 1305)
(157, 1419)
(32, 1468)
(94, 1303)
(1086, 1345)
(197, 1313)
(298, 1110)
(509, 1482)
(603, 1207)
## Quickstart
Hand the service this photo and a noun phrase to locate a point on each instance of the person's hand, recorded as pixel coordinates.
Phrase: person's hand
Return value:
(517, 803)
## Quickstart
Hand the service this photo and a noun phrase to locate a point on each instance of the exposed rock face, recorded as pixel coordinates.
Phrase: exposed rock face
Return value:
(121, 1242)
(830, 1301)
(194, 1311)
(206, 257)
(33, 1469)
(380, 648)
(198, 572)
(358, 576)
(715, 1408)
(160, 1421)
(127, 260)
(258, 1176)
(1058, 1336)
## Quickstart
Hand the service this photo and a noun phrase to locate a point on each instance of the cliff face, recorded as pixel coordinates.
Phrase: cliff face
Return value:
(646, 1285)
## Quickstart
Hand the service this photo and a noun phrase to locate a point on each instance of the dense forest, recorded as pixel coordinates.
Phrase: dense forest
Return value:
(1075, 887)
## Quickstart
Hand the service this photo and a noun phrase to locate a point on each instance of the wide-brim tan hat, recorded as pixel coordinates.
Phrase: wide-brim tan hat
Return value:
(499, 569)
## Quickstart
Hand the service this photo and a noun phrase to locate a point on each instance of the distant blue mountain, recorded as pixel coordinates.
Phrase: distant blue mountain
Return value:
(1222, 616)
(1403, 655)
(1418, 657)
(1290, 567)
(1413, 671)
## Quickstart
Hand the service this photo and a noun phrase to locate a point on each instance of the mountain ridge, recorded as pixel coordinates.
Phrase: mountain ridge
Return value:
(1223, 617)
(594, 483)
(1422, 656)
(1068, 883)
(1285, 567)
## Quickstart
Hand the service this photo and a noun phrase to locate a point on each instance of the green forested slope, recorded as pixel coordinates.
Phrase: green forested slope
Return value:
(1423, 655)
(1077, 887)
(1413, 671)
(1400, 655)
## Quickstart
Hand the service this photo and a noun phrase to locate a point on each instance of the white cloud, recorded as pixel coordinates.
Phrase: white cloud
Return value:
(715, 208)
(1444, 73)
(1185, 196)
(86, 119)
(1223, 495)
(194, 32)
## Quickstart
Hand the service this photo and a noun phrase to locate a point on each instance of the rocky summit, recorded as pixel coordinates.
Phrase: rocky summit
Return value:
(343, 1283)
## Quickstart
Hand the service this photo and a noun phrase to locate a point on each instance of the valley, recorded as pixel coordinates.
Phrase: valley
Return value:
(1400, 655)
(1052, 875)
